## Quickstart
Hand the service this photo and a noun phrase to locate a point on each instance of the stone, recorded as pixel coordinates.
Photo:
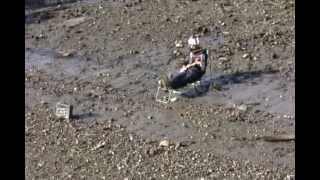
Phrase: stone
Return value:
(164, 143)
(178, 44)
(246, 55)
(74, 22)
(242, 107)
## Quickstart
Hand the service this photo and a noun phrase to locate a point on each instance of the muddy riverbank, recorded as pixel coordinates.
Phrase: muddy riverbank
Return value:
(105, 57)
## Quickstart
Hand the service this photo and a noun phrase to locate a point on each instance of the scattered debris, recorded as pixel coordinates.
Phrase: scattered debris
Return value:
(74, 22)
(99, 145)
(242, 107)
(66, 53)
(178, 44)
(133, 52)
(164, 143)
(223, 59)
(174, 99)
(246, 55)
(176, 52)
(226, 33)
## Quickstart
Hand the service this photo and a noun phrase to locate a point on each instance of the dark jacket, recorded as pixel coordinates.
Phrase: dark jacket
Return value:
(203, 55)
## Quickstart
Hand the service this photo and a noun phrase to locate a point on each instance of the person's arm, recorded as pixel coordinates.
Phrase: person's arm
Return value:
(202, 63)
(190, 58)
(192, 64)
(199, 62)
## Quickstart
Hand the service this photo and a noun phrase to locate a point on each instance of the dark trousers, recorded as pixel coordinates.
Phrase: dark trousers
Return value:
(181, 79)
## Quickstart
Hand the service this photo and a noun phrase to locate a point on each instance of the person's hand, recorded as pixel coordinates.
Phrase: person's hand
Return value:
(183, 68)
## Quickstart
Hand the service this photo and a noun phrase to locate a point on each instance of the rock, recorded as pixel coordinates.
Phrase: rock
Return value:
(242, 107)
(225, 33)
(223, 59)
(40, 164)
(150, 117)
(66, 53)
(133, 52)
(245, 56)
(176, 53)
(43, 102)
(164, 143)
(178, 44)
(289, 177)
(173, 99)
(130, 137)
(275, 56)
(184, 125)
(99, 145)
(74, 22)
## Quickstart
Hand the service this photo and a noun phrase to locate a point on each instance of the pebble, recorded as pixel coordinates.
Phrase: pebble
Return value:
(176, 52)
(130, 137)
(164, 143)
(173, 99)
(178, 44)
(99, 145)
(226, 33)
(242, 107)
(223, 59)
(245, 56)
(40, 164)
(184, 125)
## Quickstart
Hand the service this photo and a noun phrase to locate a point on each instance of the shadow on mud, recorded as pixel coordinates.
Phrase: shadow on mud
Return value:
(84, 116)
(222, 82)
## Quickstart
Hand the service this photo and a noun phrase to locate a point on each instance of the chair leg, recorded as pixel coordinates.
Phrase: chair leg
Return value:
(163, 99)
(168, 97)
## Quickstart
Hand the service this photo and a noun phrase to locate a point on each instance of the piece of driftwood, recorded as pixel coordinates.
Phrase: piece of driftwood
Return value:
(277, 138)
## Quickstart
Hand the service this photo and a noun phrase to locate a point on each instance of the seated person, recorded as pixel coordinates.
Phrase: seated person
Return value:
(191, 72)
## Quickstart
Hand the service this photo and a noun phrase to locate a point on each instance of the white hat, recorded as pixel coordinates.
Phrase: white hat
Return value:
(193, 42)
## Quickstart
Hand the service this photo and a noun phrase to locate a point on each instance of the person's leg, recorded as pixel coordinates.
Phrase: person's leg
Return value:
(193, 75)
(178, 80)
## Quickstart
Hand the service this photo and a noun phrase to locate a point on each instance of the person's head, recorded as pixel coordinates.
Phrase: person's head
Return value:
(193, 42)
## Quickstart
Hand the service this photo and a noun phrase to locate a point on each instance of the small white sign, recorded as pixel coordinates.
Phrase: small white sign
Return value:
(63, 110)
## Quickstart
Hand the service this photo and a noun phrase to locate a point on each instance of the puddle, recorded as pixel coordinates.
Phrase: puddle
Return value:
(59, 67)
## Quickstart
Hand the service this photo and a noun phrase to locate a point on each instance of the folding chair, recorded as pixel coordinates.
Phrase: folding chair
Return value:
(171, 95)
